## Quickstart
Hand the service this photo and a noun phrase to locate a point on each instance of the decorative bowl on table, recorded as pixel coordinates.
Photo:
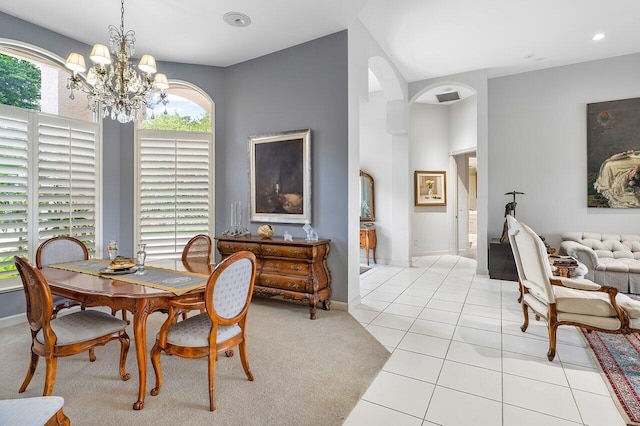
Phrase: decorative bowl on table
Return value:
(120, 263)
(266, 231)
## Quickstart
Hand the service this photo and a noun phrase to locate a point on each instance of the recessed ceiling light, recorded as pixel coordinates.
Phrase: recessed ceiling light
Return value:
(598, 36)
(237, 19)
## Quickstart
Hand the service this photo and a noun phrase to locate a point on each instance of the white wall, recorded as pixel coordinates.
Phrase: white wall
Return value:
(361, 48)
(430, 152)
(538, 145)
(463, 137)
(477, 81)
(463, 125)
(375, 159)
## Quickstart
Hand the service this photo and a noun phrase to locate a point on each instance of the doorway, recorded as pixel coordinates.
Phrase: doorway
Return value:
(472, 249)
(465, 229)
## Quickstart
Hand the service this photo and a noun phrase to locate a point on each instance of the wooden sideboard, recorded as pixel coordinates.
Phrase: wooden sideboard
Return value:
(368, 241)
(291, 269)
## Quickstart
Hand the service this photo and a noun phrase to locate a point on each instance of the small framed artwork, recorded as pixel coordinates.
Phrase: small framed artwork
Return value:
(280, 177)
(430, 188)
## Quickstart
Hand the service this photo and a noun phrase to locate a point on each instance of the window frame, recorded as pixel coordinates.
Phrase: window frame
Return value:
(173, 133)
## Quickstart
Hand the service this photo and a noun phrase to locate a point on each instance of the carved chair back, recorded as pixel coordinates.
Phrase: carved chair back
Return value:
(59, 250)
(230, 288)
(198, 249)
(39, 300)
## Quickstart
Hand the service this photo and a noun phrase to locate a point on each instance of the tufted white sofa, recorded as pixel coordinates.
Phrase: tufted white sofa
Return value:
(612, 259)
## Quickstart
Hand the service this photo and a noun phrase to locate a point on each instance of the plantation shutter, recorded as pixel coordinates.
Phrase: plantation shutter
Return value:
(48, 182)
(14, 173)
(67, 179)
(175, 189)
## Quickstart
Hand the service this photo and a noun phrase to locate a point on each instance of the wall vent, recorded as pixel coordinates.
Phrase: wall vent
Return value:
(448, 97)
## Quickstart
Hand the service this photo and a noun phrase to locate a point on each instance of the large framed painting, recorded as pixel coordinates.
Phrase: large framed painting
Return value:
(430, 188)
(280, 177)
(613, 154)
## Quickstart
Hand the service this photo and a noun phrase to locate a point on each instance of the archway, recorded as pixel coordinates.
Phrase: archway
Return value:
(384, 154)
(455, 156)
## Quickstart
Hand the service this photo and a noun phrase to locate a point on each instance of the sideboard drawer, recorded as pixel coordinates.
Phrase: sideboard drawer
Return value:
(283, 282)
(285, 267)
(227, 247)
(297, 252)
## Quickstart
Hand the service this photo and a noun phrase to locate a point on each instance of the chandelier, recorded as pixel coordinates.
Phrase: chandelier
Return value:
(115, 88)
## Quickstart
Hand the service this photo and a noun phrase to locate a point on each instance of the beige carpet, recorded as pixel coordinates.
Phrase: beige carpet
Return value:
(306, 373)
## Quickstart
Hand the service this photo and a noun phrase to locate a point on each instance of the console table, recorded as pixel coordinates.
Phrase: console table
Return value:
(291, 269)
(368, 241)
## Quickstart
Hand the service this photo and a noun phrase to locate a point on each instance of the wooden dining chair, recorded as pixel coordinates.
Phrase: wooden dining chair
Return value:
(59, 250)
(222, 327)
(67, 335)
(198, 249)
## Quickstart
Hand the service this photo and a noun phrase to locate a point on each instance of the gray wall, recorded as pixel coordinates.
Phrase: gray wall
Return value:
(538, 145)
(301, 87)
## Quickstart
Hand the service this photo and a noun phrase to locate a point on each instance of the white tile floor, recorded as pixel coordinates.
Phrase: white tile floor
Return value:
(459, 357)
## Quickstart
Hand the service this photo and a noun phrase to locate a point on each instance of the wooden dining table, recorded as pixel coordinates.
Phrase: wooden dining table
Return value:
(140, 300)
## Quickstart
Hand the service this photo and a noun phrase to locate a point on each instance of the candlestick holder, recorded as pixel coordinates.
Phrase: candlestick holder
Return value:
(237, 228)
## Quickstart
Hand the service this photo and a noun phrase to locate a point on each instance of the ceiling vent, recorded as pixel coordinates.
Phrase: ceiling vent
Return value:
(448, 97)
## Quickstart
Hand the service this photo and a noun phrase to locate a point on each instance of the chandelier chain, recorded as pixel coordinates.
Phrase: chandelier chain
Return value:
(122, 16)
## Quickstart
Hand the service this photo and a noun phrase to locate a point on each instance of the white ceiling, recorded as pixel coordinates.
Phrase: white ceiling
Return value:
(424, 38)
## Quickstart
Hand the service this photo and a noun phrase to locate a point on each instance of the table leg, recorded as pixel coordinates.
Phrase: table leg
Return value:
(140, 334)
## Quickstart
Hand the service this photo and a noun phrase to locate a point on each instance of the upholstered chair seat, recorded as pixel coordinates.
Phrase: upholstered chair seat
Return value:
(194, 332)
(82, 326)
(39, 410)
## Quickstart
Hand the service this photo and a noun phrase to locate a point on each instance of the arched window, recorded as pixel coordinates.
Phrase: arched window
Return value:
(174, 160)
(49, 152)
(181, 107)
(34, 79)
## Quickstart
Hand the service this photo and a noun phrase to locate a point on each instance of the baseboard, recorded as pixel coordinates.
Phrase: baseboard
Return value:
(13, 320)
(430, 253)
(339, 306)
(20, 318)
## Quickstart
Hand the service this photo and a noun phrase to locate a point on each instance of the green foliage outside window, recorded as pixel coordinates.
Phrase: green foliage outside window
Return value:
(20, 83)
(176, 122)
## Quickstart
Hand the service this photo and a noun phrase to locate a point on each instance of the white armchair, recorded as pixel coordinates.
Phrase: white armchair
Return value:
(565, 301)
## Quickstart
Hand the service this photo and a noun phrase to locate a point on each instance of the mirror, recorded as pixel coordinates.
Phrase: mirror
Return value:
(367, 211)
